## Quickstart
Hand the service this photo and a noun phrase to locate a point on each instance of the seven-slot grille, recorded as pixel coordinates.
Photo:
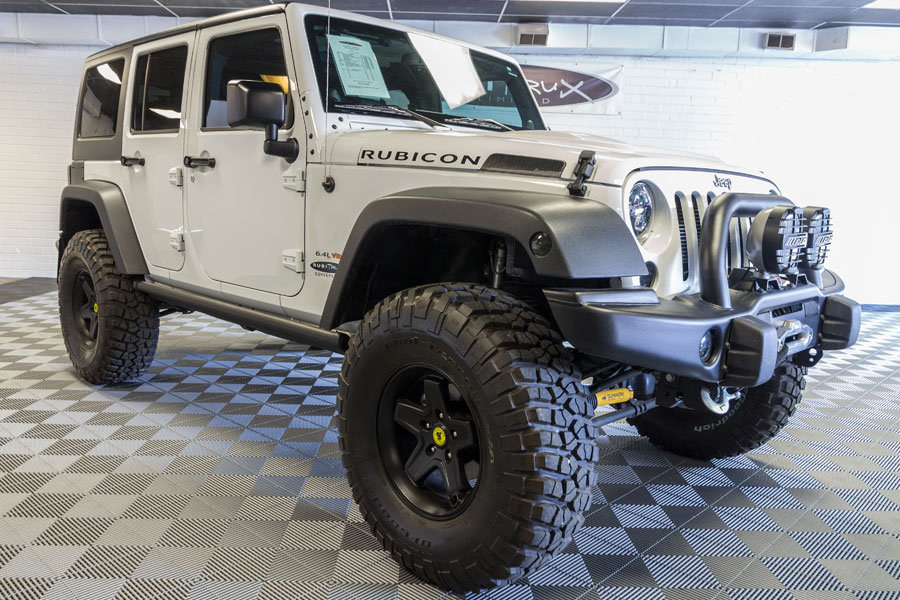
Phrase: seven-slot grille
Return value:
(691, 209)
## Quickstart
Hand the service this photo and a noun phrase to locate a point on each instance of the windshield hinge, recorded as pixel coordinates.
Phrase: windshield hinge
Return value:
(294, 179)
(583, 171)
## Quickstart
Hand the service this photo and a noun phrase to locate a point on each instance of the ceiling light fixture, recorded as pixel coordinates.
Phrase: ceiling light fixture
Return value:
(889, 4)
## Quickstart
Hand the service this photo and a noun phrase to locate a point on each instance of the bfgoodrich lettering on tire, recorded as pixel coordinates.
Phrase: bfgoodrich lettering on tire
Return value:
(466, 434)
(110, 329)
(753, 419)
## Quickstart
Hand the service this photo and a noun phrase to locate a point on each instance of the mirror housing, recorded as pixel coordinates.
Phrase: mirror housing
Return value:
(260, 105)
(256, 104)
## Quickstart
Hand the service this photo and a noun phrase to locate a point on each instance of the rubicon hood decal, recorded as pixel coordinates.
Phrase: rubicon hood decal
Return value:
(559, 87)
(436, 158)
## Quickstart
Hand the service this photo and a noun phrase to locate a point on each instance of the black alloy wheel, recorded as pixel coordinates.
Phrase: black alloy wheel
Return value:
(428, 441)
(85, 307)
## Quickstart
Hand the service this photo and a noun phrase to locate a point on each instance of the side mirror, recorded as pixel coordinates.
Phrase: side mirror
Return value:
(260, 105)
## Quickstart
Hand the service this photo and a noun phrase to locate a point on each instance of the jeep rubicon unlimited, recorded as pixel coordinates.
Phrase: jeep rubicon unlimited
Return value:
(395, 196)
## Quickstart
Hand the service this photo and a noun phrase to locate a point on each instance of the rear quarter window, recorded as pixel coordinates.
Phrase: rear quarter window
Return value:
(99, 106)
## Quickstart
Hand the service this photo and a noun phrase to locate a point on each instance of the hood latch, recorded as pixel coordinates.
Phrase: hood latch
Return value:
(583, 171)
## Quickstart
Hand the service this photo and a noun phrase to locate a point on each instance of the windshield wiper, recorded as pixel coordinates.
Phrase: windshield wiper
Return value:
(389, 109)
(486, 123)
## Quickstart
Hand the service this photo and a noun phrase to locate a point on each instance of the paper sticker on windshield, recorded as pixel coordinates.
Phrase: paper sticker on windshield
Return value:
(357, 67)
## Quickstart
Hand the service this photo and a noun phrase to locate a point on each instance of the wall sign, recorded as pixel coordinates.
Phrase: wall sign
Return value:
(563, 91)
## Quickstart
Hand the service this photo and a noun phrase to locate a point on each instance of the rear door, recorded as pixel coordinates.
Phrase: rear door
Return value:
(244, 212)
(154, 142)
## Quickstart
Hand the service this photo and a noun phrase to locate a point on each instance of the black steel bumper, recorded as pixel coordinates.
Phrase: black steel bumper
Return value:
(635, 327)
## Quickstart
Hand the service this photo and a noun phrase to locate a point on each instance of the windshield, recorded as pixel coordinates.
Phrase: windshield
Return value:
(378, 66)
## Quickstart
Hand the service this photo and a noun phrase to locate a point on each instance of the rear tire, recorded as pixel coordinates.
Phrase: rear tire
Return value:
(752, 420)
(110, 328)
(502, 381)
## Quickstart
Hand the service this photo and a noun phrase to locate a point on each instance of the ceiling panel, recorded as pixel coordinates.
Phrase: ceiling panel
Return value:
(32, 6)
(872, 16)
(798, 14)
(660, 21)
(809, 3)
(661, 10)
(560, 9)
(785, 16)
(124, 9)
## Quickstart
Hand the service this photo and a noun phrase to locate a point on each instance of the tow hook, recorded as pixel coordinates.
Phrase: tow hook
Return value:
(720, 402)
(793, 336)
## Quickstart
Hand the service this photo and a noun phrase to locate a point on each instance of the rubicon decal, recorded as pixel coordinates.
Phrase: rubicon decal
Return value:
(417, 157)
(325, 266)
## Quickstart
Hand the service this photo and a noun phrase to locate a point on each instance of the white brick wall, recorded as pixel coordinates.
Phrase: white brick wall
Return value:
(37, 110)
(827, 131)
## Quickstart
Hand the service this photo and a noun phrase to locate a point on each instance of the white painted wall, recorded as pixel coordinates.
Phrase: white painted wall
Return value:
(827, 131)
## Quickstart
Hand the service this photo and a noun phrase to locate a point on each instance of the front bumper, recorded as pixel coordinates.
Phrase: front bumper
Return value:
(635, 327)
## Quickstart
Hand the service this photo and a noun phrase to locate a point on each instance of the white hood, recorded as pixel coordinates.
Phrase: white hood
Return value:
(468, 150)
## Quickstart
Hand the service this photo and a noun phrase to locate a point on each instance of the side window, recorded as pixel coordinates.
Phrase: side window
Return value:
(257, 55)
(158, 90)
(100, 100)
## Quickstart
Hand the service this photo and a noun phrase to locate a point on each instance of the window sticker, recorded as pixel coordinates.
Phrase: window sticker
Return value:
(357, 67)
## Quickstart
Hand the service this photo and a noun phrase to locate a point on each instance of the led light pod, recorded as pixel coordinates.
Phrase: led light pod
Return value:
(819, 234)
(777, 239)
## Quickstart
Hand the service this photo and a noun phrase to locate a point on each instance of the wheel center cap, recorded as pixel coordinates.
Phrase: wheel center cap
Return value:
(439, 436)
(96, 308)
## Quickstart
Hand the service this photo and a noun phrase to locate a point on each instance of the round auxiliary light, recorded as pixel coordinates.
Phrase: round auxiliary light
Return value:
(707, 345)
(640, 209)
(541, 244)
(819, 234)
(777, 239)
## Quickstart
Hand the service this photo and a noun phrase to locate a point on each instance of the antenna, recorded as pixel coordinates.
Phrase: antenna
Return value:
(328, 181)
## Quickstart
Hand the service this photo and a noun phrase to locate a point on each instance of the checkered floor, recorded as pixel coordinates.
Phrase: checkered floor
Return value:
(217, 476)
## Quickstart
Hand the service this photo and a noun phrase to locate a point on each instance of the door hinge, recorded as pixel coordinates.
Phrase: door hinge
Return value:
(294, 180)
(176, 176)
(293, 260)
(176, 241)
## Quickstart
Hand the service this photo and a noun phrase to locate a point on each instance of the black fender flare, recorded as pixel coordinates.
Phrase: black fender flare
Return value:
(590, 240)
(109, 202)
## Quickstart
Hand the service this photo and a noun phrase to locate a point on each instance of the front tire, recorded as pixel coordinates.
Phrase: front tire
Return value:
(752, 420)
(109, 327)
(508, 486)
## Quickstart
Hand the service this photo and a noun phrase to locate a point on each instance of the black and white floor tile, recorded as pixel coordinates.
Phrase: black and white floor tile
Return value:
(217, 476)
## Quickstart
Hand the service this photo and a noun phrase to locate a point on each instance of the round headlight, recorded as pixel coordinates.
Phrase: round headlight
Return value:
(640, 208)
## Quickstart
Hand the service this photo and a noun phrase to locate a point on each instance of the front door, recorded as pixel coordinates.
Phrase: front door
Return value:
(244, 216)
(153, 144)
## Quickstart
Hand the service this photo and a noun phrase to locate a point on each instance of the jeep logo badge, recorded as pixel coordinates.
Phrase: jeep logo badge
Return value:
(721, 182)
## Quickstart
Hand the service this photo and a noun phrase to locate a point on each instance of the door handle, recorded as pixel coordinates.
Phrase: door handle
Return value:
(130, 161)
(199, 161)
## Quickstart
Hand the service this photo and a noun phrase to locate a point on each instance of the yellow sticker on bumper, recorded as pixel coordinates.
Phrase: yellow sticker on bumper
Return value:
(615, 396)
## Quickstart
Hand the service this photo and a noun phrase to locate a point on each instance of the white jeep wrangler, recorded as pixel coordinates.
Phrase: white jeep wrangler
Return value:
(395, 196)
